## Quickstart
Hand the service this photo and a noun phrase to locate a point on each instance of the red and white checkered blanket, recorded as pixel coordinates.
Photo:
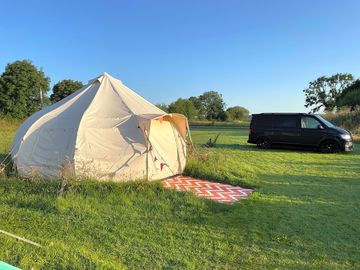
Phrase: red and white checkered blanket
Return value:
(221, 193)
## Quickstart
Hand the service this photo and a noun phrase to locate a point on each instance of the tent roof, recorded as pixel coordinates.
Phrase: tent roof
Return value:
(106, 94)
(136, 104)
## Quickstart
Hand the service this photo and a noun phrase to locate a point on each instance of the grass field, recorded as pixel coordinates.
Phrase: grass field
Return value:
(304, 214)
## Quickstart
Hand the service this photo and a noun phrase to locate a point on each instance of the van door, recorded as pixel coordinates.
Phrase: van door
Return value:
(286, 129)
(312, 131)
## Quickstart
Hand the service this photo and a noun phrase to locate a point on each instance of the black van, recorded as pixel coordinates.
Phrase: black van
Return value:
(299, 129)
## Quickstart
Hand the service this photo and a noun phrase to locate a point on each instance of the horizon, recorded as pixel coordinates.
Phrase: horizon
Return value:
(259, 54)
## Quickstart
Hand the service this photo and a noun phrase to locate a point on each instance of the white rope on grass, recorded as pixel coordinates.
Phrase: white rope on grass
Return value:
(20, 238)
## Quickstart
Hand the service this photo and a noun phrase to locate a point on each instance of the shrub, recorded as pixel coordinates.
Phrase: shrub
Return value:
(211, 142)
(347, 119)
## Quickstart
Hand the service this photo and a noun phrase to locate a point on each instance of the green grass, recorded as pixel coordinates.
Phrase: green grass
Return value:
(304, 214)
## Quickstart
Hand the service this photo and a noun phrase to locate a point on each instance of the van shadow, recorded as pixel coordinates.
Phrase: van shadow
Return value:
(275, 148)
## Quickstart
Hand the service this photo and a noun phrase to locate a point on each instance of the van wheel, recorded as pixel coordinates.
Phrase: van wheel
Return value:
(263, 143)
(329, 146)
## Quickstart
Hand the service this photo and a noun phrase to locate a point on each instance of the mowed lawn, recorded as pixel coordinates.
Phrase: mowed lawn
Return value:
(304, 214)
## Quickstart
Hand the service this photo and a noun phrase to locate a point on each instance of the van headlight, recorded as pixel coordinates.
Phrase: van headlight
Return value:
(345, 137)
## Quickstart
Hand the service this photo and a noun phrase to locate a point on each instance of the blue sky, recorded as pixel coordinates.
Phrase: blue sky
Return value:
(258, 54)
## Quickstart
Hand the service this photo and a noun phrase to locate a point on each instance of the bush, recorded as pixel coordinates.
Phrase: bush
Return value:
(347, 119)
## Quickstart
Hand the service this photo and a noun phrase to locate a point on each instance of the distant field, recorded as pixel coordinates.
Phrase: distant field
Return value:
(220, 123)
(304, 214)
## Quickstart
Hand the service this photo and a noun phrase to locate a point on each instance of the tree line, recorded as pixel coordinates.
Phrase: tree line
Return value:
(24, 90)
(208, 106)
(330, 93)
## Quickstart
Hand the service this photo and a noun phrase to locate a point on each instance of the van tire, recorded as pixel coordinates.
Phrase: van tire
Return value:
(329, 146)
(263, 143)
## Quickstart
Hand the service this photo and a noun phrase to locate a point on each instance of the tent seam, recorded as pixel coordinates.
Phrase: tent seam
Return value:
(81, 118)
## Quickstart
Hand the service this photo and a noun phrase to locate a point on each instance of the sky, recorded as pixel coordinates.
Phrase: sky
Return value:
(259, 54)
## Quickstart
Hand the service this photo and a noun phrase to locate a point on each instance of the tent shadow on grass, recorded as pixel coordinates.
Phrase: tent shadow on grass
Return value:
(45, 206)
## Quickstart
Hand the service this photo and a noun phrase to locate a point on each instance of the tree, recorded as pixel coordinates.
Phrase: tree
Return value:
(199, 107)
(63, 89)
(163, 106)
(20, 88)
(222, 116)
(323, 92)
(350, 96)
(183, 106)
(237, 113)
(214, 105)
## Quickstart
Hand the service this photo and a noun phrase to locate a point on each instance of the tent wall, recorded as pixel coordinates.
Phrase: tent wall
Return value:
(49, 141)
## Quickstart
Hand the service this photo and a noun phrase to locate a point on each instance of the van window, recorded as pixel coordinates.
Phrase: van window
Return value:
(329, 124)
(263, 121)
(309, 122)
(285, 121)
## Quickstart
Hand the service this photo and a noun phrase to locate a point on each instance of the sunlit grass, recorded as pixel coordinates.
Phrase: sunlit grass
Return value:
(304, 214)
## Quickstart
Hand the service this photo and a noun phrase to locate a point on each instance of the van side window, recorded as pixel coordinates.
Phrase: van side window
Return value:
(309, 122)
(263, 121)
(285, 121)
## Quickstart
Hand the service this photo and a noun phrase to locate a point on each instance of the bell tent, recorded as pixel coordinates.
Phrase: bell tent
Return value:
(103, 130)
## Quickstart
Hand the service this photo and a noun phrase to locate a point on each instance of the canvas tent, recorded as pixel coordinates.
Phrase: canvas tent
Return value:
(103, 130)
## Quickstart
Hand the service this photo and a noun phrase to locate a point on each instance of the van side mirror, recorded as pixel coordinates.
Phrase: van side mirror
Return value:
(320, 127)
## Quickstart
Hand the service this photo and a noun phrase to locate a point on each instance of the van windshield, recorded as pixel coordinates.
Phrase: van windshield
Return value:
(326, 122)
